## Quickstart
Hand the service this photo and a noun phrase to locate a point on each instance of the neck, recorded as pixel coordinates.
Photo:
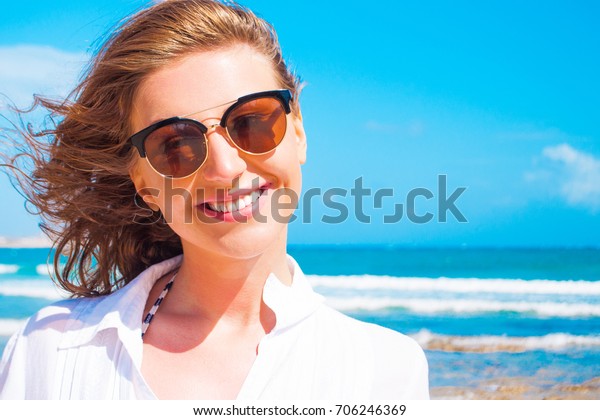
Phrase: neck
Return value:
(228, 288)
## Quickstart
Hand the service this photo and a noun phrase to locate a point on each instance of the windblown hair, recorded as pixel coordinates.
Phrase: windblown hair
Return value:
(76, 172)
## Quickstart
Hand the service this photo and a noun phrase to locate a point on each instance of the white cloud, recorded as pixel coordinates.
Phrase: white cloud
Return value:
(579, 178)
(29, 69)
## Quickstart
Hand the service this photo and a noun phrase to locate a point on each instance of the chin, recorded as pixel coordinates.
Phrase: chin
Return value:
(241, 242)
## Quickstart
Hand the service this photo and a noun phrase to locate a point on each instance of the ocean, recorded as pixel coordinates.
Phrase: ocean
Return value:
(494, 323)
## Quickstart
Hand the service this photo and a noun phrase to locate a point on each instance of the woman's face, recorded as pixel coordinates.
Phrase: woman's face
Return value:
(198, 207)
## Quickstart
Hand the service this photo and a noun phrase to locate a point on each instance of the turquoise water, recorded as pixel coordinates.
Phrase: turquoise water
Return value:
(479, 313)
(555, 264)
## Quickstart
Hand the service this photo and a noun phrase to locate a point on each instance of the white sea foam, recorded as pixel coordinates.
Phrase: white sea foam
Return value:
(490, 343)
(458, 285)
(10, 326)
(43, 289)
(8, 268)
(466, 306)
(373, 293)
(44, 269)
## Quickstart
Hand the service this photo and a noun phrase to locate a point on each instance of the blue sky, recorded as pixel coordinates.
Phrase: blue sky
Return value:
(502, 98)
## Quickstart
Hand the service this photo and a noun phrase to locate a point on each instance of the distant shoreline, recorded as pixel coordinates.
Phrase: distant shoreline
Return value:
(25, 242)
(44, 242)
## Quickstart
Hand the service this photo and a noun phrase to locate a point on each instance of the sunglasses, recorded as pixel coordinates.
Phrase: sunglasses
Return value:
(177, 147)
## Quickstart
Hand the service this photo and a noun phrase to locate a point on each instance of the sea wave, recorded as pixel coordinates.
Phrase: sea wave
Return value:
(466, 306)
(458, 285)
(9, 268)
(44, 269)
(9, 326)
(31, 289)
(348, 300)
(494, 343)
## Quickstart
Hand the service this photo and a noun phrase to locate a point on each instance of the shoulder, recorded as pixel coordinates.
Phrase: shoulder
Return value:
(398, 364)
(50, 322)
(54, 345)
(30, 355)
(382, 338)
(58, 336)
(88, 315)
(48, 325)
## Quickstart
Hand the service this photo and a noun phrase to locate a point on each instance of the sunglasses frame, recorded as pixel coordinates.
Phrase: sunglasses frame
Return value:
(138, 140)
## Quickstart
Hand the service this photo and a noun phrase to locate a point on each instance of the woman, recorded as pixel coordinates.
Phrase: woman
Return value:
(159, 185)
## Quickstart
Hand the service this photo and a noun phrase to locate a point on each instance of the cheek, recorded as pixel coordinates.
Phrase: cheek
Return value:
(287, 157)
(293, 169)
(177, 208)
(176, 201)
(288, 194)
(283, 168)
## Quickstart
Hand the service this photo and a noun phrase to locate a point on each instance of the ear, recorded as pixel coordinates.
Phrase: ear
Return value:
(300, 136)
(149, 195)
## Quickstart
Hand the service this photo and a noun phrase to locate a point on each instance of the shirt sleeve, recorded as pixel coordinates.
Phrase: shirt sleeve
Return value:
(29, 362)
(400, 367)
(12, 369)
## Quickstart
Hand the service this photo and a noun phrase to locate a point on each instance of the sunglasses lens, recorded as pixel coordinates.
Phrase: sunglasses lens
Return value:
(257, 126)
(176, 150)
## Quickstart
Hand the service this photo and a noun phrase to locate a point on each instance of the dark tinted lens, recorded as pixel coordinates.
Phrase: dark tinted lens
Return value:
(177, 149)
(257, 126)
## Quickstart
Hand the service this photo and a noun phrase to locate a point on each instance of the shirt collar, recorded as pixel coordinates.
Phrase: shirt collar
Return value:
(123, 309)
(293, 303)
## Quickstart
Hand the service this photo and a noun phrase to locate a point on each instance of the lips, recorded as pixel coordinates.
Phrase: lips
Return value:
(235, 202)
(235, 205)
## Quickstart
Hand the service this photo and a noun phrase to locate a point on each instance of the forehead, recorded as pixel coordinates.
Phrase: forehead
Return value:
(201, 80)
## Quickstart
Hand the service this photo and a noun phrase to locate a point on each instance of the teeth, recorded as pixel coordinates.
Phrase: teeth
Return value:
(235, 205)
(215, 207)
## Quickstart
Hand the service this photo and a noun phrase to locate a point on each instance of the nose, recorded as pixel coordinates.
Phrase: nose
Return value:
(224, 163)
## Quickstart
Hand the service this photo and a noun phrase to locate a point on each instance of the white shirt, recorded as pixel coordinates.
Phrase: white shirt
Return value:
(91, 348)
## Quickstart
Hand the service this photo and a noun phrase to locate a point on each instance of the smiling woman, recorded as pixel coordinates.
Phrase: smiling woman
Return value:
(158, 185)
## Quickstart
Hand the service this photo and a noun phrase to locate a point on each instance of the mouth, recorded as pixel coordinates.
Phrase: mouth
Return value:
(243, 199)
(238, 204)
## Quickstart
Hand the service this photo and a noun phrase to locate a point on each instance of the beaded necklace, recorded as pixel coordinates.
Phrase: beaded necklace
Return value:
(150, 315)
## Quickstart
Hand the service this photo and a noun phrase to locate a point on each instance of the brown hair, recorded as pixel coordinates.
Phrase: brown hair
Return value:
(80, 183)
